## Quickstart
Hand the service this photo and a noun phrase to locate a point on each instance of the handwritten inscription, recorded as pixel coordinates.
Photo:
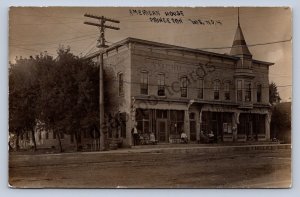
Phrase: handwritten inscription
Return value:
(205, 22)
(172, 17)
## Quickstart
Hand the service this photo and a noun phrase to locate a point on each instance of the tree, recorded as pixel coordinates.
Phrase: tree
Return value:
(281, 122)
(23, 93)
(69, 95)
(273, 94)
(61, 94)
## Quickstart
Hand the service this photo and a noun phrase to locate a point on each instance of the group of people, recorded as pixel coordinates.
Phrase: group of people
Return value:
(136, 137)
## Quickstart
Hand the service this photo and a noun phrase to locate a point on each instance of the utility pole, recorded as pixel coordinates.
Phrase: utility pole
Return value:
(101, 45)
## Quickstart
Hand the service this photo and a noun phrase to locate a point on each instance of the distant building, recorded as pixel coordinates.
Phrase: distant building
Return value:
(47, 139)
(167, 89)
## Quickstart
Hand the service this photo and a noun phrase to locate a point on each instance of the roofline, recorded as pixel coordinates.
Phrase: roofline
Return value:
(171, 47)
(263, 62)
(152, 43)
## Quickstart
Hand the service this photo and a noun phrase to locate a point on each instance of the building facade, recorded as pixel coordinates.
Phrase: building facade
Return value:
(166, 90)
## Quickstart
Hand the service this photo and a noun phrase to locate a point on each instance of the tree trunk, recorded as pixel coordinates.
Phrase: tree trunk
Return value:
(17, 141)
(33, 140)
(103, 141)
(76, 140)
(59, 142)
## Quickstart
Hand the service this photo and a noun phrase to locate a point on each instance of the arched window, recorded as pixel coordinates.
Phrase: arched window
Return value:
(216, 89)
(161, 84)
(258, 92)
(121, 84)
(239, 90)
(144, 82)
(183, 86)
(200, 88)
(248, 91)
(227, 90)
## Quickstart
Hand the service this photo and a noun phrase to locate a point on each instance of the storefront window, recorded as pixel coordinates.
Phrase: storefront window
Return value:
(177, 121)
(205, 126)
(227, 123)
(143, 118)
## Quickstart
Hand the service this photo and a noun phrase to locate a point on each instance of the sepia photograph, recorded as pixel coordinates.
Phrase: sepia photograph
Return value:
(150, 97)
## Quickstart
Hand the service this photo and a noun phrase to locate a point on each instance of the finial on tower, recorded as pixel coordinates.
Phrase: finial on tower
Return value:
(238, 16)
(239, 46)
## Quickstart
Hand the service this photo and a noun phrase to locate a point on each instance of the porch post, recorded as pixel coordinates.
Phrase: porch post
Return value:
(198, 127)
(187, 123)
(235, 121)
(131, 123)
(267, 125)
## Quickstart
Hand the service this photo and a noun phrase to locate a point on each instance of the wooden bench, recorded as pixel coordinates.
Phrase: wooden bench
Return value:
(261, 137)
(241, 138)
(175, 139)
(227, 138)
(146, 140)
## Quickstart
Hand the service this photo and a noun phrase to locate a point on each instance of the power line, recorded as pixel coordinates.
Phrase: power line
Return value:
(71, 27)
(91, 48)
(44, 23)
(28, 49)
(228, 47)
(77, 18)
(250, 45)
(88, 36)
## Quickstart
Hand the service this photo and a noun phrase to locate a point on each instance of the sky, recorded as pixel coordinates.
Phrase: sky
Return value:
(37, 29)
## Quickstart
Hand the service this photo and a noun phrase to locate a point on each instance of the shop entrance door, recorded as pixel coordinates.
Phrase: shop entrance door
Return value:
(162, 130)
(193, 130)
(249, 131)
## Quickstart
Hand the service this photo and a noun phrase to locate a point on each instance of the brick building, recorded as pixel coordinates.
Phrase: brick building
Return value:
(168, 89)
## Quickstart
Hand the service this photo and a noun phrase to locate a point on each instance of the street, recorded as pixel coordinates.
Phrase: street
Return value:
(233, 169)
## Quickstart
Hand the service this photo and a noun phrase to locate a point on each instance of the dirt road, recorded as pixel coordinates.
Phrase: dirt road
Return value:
(238, 169)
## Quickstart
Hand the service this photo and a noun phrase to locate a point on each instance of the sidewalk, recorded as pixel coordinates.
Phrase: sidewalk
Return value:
(173, 148)
(193, 148)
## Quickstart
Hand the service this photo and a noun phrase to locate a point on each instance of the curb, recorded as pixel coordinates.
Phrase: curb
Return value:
(215, 149)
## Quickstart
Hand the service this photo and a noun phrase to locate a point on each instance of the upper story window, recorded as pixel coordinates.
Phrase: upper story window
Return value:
(121, 84)
(161, 84)
(183, 86)
(258, 92)
(239, 90)
(216, 90)
(248, 90)
(200, 88)
(227, 90)
(144, 82)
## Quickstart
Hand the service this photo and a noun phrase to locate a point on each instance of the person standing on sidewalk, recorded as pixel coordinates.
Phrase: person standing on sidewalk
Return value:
(234, 133)
(135, 135)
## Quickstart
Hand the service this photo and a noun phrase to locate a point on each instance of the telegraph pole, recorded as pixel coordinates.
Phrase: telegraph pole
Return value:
(101, 45)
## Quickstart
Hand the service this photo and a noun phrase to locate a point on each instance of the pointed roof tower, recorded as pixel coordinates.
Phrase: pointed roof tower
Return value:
(239, 46)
